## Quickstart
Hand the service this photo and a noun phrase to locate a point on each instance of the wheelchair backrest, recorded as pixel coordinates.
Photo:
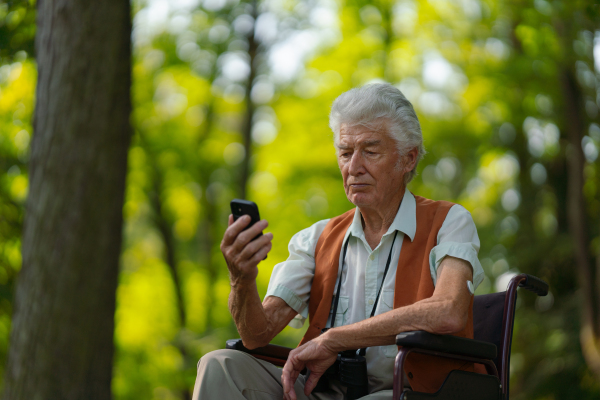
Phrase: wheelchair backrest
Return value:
(488, 314)
(493, 320)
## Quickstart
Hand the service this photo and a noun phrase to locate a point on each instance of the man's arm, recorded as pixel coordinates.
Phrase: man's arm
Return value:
(445, 312)
(257, 323)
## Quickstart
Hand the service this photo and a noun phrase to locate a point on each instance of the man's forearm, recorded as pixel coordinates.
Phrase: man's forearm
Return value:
(257, 322)
(248, 314)
(435, 316)
(242, 253)
(445, 312)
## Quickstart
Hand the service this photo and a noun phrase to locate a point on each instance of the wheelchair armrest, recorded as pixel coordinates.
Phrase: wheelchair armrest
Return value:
(447, 344)
(269, 351)
(535, 284)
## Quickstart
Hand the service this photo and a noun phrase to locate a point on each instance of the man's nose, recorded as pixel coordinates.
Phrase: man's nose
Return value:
(356, 166)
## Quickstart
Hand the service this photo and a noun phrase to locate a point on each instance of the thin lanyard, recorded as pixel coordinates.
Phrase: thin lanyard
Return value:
(337, 297)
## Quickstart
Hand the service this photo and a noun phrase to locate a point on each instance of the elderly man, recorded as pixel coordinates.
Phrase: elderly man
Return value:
(397, 262)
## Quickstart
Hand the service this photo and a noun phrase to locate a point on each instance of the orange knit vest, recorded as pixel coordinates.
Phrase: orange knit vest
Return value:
(413, 283)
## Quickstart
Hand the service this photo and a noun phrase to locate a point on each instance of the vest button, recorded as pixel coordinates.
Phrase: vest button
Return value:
(410, 375)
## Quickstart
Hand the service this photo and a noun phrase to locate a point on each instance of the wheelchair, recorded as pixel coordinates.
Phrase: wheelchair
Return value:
(493, 318)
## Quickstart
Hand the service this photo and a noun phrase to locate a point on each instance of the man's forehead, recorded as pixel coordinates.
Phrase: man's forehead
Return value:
(361, 135)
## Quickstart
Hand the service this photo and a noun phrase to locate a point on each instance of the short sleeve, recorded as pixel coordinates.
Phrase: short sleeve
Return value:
(457, 238)
(291, 280)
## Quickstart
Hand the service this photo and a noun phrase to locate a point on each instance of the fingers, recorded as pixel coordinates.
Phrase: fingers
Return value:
(288, 388)
(241, 252)
(249, 234)
(261, 253)
(289, 374)
(254, 246)
(236, 238)
(234, 229)
(288, 385)
(311, 382)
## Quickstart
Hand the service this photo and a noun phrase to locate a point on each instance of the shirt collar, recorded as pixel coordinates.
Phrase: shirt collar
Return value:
(405, 220)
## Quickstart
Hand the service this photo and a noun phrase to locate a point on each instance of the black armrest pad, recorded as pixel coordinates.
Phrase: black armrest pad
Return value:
(535, 284)
(447, 344)
(270, 350)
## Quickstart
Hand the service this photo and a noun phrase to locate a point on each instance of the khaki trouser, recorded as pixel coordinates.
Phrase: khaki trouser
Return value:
(233, 375)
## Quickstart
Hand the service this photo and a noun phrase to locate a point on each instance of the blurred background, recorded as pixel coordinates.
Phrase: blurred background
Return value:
(231, 99)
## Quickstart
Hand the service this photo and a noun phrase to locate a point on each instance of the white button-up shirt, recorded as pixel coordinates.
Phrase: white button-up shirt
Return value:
(363, 270)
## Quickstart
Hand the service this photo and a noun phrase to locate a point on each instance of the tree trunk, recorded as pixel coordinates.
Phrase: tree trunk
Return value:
(207, 228)
(590, 318)
(207, 233)
(389, 74)
(166, 233)
(61, 344)
(164, 228)
(247, 127)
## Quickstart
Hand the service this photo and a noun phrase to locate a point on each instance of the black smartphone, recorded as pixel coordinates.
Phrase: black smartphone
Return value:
(245, 207)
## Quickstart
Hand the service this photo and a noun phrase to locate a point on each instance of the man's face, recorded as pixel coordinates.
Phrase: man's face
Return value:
(371, 166)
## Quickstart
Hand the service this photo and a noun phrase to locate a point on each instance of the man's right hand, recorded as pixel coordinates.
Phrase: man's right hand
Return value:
(243, 254)
(257, 322)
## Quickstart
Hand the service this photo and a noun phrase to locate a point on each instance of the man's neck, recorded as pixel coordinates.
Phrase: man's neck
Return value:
(377, 221)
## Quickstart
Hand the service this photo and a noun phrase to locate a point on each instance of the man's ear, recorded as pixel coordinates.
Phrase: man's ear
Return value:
(410, 159)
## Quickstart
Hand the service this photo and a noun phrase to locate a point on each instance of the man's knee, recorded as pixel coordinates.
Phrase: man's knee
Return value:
(236, 375)
(217, 356)
(216, 372)
(220, 360)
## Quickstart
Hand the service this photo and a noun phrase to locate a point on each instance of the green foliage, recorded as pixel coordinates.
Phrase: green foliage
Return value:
(486, 78)
(17, 29)
(17, 85)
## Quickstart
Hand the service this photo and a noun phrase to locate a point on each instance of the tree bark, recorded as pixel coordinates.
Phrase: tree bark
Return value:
(207, 228)
(61, 344)
(575, 126)
(207, 233)
(164, 227)
(388, 72)
(166, 233)
(247, 127)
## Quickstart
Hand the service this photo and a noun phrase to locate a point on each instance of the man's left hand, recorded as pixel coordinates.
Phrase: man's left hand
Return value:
(315, 356)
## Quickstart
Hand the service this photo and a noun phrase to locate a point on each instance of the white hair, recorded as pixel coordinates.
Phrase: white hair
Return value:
(380, 106)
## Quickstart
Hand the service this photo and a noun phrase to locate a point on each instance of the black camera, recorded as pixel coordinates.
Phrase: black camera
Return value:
(350, 369)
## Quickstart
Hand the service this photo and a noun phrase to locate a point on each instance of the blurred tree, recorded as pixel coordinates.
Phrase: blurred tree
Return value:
(62, 335)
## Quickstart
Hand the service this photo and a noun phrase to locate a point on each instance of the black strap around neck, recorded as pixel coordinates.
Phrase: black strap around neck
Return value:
(337, 296)
(339, 288)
